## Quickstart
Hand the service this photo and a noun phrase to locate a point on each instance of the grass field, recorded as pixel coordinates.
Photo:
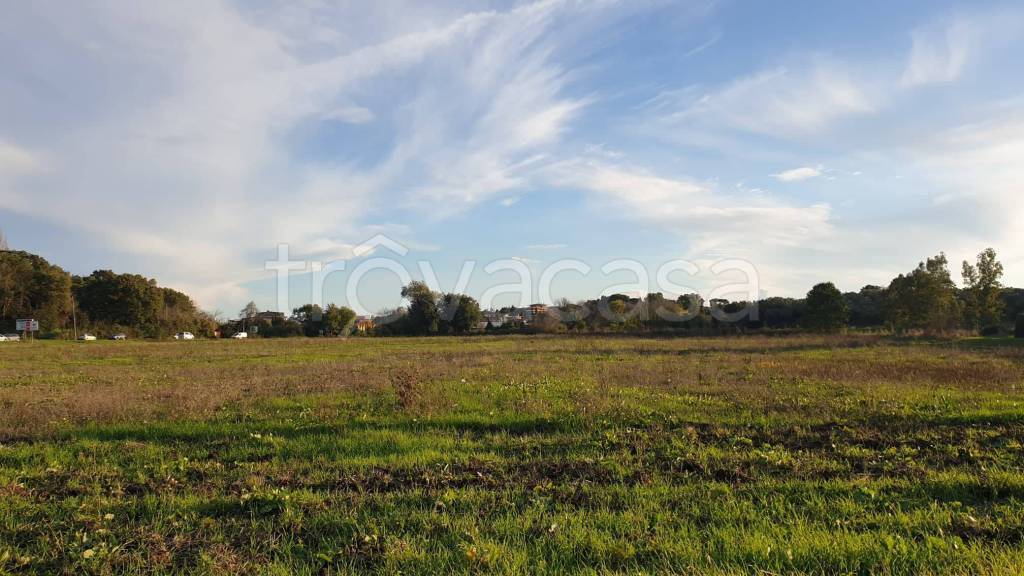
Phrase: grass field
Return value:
(824, 455)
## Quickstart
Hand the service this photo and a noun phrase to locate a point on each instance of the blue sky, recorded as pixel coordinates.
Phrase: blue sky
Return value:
(840, 141)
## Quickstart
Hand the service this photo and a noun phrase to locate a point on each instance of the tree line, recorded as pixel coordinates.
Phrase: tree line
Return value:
(103, 302)
(925, 299)
(307, 320)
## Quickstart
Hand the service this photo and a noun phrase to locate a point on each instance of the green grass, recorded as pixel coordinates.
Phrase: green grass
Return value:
(796, 455)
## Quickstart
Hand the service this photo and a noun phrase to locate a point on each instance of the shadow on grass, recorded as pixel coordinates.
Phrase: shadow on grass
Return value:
(983, 343)
(722, 349)
(202, 432)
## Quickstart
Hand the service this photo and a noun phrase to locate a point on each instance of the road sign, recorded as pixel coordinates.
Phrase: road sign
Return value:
(26, 325)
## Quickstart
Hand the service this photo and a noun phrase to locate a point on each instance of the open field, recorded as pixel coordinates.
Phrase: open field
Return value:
(826, 455)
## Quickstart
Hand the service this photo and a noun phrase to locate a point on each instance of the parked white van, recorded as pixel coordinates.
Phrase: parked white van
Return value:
(184, 336)
(240, 335)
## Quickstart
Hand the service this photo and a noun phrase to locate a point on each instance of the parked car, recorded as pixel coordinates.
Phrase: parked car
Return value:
(240, 335)
(119, 337)
(184, 336)
(13, 337)
(3, 338)
(87, 337)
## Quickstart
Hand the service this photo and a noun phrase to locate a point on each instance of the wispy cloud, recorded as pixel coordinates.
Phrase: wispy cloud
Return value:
(778, 102)
(939, 54)
(703, 46)
(711, 219)
(17, 160)
(798, 174)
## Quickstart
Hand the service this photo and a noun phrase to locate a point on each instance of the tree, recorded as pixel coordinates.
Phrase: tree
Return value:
(179, 313)
(545, 323)
(779, 313)
(1013, 304)
(206, 323)
(424, 317)
(311, 317)
(338, 320)
(31, 287)
(115, 300)
(982, 291)
(1019, 328)
(867, 307)
(660, 312)
(249, 312)
(461, 314)
(925, 298)
(825, 310)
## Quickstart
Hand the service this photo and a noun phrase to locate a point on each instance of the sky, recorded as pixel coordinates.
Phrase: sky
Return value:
(816, 141)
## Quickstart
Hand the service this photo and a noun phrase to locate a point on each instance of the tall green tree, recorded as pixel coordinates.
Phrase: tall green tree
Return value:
(924, 299)
(338, 320)
(460, 314)
(825, 309)
(123, 300)
(311, 317)
(424, 317)
(983, 291)
(867, 307)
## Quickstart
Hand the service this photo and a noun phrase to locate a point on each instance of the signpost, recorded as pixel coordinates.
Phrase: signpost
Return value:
(26, 326)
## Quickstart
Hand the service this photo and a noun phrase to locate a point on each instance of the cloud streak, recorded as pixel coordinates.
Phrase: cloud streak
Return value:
(798, 174)
(712, 220)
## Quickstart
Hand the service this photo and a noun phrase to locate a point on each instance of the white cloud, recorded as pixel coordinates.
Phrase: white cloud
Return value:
(510, 112)
(939, 55)
(789, 100)
(798, 174)
(712, 220)
(942, 51)
(977, 172)
(16, 160)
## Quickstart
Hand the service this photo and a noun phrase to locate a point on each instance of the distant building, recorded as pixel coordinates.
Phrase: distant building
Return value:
(526, 315)
(495, 319)
(364, 324)
(510, 316)
(270, 317)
